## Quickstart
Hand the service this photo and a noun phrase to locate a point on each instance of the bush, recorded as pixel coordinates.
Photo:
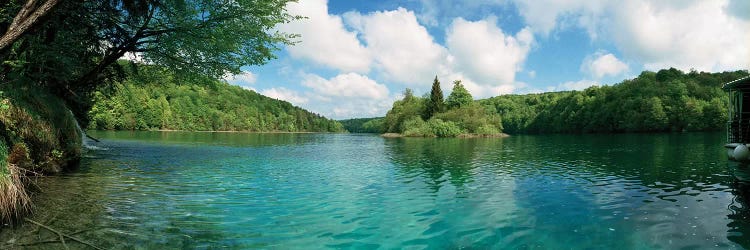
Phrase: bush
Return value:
(444, 129)
(471, 117)
(416, 127)
(487, 129)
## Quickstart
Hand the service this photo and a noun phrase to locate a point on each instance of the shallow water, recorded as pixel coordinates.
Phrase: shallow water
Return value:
(286, 191)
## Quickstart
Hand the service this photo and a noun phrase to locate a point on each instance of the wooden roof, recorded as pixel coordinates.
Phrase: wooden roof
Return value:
(742, 83)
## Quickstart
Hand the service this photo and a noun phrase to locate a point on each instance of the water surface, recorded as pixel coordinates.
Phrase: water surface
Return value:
(300, 191)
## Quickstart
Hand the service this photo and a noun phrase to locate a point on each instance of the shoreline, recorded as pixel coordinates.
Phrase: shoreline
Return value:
(220, 131)
(397, 135)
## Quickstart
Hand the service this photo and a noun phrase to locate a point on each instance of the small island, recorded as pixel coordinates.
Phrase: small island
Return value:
(430, 116)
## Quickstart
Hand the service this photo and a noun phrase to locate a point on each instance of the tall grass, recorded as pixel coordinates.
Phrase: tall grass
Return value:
(37, 135)
(14, 200)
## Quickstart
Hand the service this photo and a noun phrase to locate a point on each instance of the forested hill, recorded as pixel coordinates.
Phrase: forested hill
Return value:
(363, 125)
(667, 100)
(152, 98)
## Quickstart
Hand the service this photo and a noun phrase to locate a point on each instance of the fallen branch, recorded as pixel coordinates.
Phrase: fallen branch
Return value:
(92, 138)
(62, 235)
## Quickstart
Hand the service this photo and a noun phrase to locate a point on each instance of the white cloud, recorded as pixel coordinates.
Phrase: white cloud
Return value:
(346, 85)
(402, 48)
(699, 35)
(324, 39)
(478, 91)
(347, 95)
(352, 107)
(704, 35)
(244, 79)
(577, 85)
(484, 52)
(285, 94)
(545, 15)
(603, 64)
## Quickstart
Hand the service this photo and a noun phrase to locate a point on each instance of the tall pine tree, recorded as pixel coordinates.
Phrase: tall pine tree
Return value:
(435, 104)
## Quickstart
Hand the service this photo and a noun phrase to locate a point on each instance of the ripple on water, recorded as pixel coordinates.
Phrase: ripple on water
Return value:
(351, 191)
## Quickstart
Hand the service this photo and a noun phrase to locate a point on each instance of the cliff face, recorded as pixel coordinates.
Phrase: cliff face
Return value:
(38, 135)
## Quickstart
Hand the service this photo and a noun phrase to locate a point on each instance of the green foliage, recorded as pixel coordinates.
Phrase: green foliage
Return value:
(668, 100)
(444, 128)
(471, 117)
(374, 126)
(153, 99)
(402, 110)
(405, 118)
(76, 46)
(39, 131)
(459, 97)
(487, 129)
(416, 127)
(363, 125)
(435, 103)
(4, 171)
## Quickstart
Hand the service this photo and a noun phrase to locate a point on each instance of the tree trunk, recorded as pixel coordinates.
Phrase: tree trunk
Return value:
(27, 17)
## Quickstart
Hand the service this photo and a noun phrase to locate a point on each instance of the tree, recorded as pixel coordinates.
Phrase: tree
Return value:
(25, 19)
(74, 48)
(459, 97)
(435, 103)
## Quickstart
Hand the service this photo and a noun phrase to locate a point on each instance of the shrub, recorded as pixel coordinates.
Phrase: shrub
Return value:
(416, 127)
(487, 129)
(444, 129)
(470, 117)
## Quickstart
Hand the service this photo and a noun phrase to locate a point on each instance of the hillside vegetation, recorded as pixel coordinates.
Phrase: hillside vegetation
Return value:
(363, 125)
(152, 98)
(663, 101)
(667, 100)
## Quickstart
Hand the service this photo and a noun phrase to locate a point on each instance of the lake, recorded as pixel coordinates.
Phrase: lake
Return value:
(300, 191)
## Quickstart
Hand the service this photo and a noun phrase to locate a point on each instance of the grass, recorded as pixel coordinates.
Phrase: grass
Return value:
(38, 134)
(14, 200)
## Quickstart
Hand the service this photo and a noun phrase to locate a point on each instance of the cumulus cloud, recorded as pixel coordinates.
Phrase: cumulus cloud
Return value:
(703, 35)
(346, 85)
(244, 79)
(354, 107)
(285, 94)
(543, 16)
(324, 39)
(603, 64)
(700, 36)
(576, 85)
(482, 50)
(401, 47)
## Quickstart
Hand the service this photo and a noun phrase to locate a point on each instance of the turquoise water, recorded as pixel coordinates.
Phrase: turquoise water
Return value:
(301, 191)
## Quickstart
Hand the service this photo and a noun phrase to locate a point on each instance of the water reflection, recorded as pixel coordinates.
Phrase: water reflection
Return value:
(739, 227)
(210, 190)
(441, 159)
(213, 138)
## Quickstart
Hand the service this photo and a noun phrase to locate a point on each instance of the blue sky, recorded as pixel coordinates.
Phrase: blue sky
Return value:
(355, 57)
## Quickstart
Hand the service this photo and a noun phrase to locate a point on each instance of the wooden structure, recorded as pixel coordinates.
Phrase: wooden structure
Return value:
(738, 126)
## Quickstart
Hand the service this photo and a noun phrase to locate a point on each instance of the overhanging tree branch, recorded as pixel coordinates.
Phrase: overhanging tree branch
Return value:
(26, 18)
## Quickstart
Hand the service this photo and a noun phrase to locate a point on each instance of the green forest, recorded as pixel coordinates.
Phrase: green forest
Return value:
(667, 100)
(663, 101)
(152, 98)
(363, 125)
